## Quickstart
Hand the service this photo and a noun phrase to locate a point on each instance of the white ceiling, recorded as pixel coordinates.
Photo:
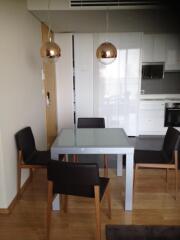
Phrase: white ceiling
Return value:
(62, 18)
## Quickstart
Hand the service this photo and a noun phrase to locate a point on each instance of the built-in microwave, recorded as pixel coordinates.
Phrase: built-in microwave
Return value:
(152, 70)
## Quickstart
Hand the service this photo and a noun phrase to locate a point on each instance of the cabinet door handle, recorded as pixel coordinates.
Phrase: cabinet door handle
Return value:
(48, 98)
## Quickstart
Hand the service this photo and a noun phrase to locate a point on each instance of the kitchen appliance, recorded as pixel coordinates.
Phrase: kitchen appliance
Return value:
(172, 114)
(152, 71)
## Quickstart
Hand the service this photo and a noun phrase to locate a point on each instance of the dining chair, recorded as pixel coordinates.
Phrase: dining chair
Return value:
(27, 154)
(166, 158)
(78, 179)
(94, 123)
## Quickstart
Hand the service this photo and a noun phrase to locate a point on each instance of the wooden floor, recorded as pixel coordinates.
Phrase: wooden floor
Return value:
(152, 205)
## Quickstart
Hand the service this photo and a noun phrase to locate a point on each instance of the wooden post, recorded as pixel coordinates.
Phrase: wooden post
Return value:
(97, 208)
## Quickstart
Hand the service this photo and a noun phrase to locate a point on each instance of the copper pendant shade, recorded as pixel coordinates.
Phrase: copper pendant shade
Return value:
(106, 53)
(50, 51)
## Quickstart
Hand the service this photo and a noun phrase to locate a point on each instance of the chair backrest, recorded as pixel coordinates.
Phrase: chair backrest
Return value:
(73, 178)
(91, 123)
(25, 142)
(171, 142)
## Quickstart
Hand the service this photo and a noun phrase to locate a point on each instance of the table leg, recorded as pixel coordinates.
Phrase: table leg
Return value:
(129, 182)
(119, 165)
(56, 203)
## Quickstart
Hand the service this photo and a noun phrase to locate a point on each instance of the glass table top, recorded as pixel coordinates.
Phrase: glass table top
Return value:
(93, 137)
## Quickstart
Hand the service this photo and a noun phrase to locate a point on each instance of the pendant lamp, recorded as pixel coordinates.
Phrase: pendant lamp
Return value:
(50, 51)
(106, 53)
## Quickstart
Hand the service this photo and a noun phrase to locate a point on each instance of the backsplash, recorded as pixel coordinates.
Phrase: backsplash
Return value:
(170, 84)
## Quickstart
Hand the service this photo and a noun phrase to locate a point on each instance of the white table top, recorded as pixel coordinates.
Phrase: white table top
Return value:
(92, 141)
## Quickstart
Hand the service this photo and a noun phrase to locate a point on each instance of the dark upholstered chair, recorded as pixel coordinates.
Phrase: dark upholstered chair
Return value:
(166, 158)
(91, 123)
(79, 179)
(142, 232)
(28, 156)
(94, 123)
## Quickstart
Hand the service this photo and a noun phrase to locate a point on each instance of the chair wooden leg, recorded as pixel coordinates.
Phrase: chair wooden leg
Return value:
(65, 203)
(97, 208)
(31, 173)
(167, 174)
(49, 206)
(105, 166)
(176, 173)
(135, 177)
(19, 182)
(167, 170)
(75, 158)
(61, 202)
(176, 183)
(108, 194)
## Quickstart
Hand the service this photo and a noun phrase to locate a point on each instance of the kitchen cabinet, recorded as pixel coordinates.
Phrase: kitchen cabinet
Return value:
(147, 46)
(172, 62)
(151, 117)
(162, 48)
(153, 48)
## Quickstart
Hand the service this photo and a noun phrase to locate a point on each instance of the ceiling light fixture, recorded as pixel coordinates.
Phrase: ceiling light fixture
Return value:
(50, 51)
(106, 53)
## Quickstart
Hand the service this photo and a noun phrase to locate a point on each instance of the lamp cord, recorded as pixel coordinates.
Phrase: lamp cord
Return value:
(107, 24)
(107, 21)
(49, 21)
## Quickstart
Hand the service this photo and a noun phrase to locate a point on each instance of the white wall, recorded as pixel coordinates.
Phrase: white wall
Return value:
(2, 185)
(21, 99)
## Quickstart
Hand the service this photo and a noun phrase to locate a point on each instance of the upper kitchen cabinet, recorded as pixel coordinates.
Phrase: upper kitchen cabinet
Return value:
(172, 62)
(162, 48)
(153, 48)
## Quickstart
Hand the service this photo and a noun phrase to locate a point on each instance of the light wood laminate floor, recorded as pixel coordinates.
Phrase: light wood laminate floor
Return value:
(152, 205)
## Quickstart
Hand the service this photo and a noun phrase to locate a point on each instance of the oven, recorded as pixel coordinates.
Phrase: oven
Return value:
(172, 115)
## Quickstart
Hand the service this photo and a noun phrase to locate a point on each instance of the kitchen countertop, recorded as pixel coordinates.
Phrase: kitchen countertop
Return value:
(156, 97)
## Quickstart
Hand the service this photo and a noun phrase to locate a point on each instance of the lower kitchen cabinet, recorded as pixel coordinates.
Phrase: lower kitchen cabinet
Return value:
(151, 117)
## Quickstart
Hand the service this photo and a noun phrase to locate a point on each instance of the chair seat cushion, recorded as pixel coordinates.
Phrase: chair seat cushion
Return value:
(39, 158)
(150, 156)
(83, 190)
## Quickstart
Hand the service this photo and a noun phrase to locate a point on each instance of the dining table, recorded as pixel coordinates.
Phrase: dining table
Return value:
(98, 141)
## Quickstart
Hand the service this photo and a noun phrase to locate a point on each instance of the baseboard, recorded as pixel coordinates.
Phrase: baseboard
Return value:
(14, 201)
(4, 211)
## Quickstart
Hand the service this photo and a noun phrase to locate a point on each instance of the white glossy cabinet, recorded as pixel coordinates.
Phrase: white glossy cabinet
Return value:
(147, 46)
(172, 61)
(162, 48)
(151, 117)
(83, 74)
(153, 48)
